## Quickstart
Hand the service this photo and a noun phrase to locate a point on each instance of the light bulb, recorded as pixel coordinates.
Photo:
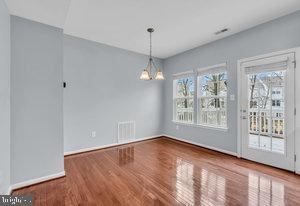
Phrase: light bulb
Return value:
(145, 75)
(159, 75)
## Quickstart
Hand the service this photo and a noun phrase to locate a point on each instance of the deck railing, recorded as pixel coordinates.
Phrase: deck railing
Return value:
(259, 122)
(185, 115)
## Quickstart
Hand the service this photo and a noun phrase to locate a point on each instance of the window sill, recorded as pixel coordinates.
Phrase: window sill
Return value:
(183, 123)
(224, 129)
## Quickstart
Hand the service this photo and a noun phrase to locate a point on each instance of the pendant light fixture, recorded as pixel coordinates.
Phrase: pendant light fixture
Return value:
(146, 74)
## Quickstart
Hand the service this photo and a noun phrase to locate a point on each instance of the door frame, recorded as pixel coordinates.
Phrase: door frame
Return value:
(296, 99)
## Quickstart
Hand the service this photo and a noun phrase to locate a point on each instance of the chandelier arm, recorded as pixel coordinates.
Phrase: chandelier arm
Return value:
(150, 67)
(154, 65)
(150, 45)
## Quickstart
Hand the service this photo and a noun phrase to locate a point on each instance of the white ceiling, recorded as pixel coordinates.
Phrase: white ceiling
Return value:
(52, 12)
(180, 24)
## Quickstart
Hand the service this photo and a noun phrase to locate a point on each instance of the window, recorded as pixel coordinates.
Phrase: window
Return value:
(276, 92)
(183, 98)
(212, 96)
(276, 103)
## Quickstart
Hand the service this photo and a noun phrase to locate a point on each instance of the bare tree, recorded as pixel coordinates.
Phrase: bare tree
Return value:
(184, 89)
(215, 86)
(253, 81)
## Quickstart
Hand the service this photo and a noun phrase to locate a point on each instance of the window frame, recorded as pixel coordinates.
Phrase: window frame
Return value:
(194, 75)
(187, 74)
(215, 69)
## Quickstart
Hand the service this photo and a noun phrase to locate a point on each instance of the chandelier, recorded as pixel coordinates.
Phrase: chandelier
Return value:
(146, 74)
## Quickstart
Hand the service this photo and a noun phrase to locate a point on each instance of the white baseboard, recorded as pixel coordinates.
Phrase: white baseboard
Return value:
(9, 190)
(202, 145)
(35, 181)
(108, 145)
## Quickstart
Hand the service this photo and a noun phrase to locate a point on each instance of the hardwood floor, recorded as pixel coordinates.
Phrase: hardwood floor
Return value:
(165, 172)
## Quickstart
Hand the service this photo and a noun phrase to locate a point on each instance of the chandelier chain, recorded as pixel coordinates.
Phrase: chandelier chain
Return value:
(147, 73)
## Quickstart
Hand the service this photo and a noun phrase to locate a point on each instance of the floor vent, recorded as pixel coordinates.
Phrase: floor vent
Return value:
(126, 131)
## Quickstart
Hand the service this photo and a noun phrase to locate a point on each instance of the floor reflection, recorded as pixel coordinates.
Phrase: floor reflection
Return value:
(212, 188)
(191, 185)
(264, 191)
(184, 182)
(198, 186)
(202, 186)
(125, 155)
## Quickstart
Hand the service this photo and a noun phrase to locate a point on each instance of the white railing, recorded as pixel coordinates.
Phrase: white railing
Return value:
(213, 117)
(259, 123)
(185, 115)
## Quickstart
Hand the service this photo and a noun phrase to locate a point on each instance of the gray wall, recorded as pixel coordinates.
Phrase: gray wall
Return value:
(103, 89)
(276, 35)
(4, 98)
(36, 100)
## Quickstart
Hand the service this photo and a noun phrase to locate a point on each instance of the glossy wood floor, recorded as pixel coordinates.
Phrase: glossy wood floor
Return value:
(165, 172)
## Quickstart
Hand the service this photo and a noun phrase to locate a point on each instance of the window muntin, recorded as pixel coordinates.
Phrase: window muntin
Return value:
(212, 99)
(183, 99)
(267, 127)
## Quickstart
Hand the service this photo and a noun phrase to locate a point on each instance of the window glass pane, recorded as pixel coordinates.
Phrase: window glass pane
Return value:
(213, 111)
(184, 103)
(266, 110)
(212, 99)
(214, 84)
(213, 104)
(184, 90)
(185, 87)
(184, 110)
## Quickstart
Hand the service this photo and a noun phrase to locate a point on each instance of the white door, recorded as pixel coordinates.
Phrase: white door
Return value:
(267, 110)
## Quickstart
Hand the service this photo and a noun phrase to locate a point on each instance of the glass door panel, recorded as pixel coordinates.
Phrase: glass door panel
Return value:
(266, 111)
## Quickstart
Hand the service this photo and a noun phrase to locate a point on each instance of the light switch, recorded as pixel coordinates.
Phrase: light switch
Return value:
(232, 97)
(93, 134)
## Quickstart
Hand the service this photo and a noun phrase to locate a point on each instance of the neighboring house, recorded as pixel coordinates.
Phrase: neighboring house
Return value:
(267, 97)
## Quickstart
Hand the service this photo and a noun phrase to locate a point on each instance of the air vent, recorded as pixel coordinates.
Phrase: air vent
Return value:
(221, 31)
(126, 131)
